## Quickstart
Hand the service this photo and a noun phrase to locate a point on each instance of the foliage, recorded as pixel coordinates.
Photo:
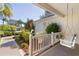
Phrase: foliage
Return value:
(29, 25)
(9, 33)
(8, 29)
(23, 45)
(53, 27)
(1, 33)
(18, 39)
(7, 10)
(23, 37)
(17, 33)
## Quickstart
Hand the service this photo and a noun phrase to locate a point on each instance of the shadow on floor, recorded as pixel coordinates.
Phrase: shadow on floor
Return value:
(60, 50)
(9, 44)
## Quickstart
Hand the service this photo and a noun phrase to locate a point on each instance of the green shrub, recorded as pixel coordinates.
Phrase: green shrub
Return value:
(18, 39)
(17, 33)
(23, 37)
(53, 27)
(1, 33)
(8, 29)
(8, 33)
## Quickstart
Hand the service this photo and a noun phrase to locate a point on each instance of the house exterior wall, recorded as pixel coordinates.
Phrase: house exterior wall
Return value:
(69, 29)
(40, 25)
(73, 22)
(72, 26)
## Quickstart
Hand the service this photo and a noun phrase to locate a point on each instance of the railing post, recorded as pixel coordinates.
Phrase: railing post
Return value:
(30, 45)
(52, 42)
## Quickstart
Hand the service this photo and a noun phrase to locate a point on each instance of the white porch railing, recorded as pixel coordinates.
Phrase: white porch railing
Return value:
(39, 43)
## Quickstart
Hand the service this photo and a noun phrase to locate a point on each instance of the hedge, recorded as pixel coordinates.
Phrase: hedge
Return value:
(7, 27)
(7, 30)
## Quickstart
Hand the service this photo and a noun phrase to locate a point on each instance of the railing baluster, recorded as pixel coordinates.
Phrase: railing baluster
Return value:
(36, 44)
(40, 42)
(33, 45)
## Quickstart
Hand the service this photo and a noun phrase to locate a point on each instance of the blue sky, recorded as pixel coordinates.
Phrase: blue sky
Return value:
(26, 10)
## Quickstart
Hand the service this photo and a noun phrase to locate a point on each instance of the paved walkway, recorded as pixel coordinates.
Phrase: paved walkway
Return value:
(9, 48)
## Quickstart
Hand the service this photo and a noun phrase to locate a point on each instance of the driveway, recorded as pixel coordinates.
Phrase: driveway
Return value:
(9, 48)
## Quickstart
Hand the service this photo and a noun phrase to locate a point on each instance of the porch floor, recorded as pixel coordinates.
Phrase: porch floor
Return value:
(59, 50)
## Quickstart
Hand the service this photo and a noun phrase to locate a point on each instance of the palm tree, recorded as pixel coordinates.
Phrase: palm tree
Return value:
(4, 20)
(7, 13)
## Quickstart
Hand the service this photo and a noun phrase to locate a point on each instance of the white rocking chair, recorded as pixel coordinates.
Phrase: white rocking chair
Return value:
(68, 41)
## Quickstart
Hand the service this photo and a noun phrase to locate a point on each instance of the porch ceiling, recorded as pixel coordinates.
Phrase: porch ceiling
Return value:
(58, 8)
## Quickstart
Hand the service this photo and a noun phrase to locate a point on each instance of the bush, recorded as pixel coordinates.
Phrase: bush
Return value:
(1, 33)
(17, 33)
(18, 39)
(8, 33)
(8, 29)
(23, 37)
(53, 27)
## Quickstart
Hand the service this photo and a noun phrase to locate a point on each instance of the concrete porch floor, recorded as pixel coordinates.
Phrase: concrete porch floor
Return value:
(59, 50)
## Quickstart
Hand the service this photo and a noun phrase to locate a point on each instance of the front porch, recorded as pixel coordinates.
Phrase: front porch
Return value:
(59, 50)
(50, 45)
(66, 14)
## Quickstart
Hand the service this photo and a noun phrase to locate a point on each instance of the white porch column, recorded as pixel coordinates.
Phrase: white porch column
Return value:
(52, 39)
(30, 45)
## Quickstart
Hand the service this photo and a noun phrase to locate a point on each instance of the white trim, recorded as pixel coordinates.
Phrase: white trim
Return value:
(49, 8)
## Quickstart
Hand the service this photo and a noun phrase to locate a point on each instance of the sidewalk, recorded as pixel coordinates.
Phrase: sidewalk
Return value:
(7, 50)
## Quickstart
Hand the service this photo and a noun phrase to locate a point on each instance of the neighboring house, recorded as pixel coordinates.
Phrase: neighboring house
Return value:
(14, 22)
